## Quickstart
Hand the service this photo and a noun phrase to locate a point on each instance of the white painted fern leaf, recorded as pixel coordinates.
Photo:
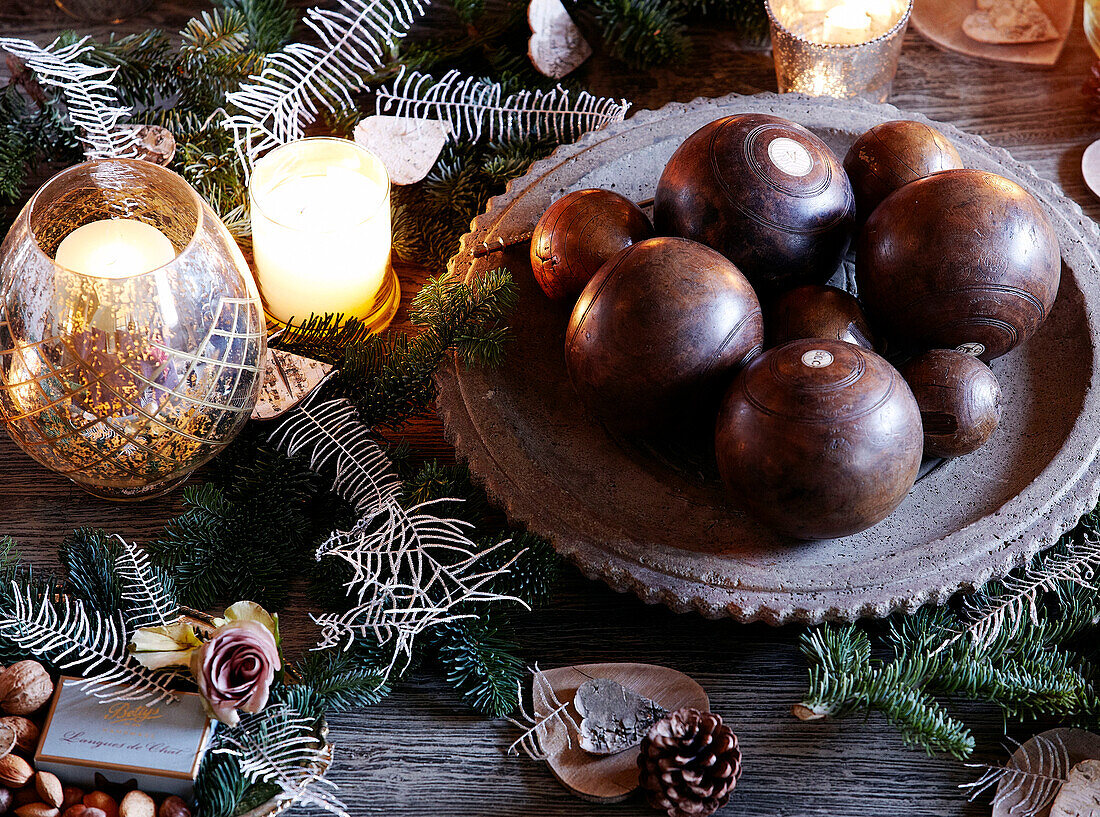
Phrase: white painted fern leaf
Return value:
(91, 100)
(991, 618)
(301, 79)
(548, 724)
(477, 108)
(74, 637)
(147, 592)
(1027, 786)
(280, 746)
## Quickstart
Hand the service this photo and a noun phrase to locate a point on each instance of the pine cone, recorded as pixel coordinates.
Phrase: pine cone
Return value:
(1091, 88)
(689, 763)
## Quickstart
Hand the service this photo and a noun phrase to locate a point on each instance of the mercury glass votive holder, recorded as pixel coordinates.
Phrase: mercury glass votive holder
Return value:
(125, 380)
(855, 67)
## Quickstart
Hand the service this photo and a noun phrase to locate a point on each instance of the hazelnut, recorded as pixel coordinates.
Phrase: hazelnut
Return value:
(71, 796)
(102, 801)
(91, 811)
(26, 733)
(174, 807)
(14, 771)
(37, 810)
(49, 789)
(75, 810)
(137, 804)
(24, 688)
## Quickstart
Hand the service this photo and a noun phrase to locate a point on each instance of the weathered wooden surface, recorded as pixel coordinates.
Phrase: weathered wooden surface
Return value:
(423, 752)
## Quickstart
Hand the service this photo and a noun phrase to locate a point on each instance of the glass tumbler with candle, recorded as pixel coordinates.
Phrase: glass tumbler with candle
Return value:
(321, 233)
(131, 331)
(837, 48)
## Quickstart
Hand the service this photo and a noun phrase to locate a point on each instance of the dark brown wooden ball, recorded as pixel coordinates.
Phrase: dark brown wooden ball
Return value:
(819, 438)
(961, 257)
(578, 234)
(661, 324)
(893, 154)
(764, 192)
(818, 311)
(959, 399)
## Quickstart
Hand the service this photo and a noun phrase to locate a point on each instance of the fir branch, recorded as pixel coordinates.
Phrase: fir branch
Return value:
(480, 664)
(88, 556)
(342, 680)
(643, 33)
(219, 787)
(476, 108)
(300, 80)
(270, 23)
(215, 32)
(90, 97)
(74, 636)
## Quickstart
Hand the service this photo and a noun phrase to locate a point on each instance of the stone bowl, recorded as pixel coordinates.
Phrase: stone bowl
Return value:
(654, 519)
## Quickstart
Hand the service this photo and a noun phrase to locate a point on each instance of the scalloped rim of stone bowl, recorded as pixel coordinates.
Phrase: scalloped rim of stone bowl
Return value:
(715, 584)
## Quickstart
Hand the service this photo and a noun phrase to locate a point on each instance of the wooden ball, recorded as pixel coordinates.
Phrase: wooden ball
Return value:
(959, 399)
(764, 192)
(661, 325)
(578, 234)
(893, 154)
(818, 439)
(818, 311)
(961, 257)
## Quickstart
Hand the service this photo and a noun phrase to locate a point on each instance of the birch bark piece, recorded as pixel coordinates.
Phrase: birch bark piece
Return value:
(613, 718)
(607, 778)
(556, 47)
(288, 380)
(1080, 795)
(1073, 746)
(408, 147)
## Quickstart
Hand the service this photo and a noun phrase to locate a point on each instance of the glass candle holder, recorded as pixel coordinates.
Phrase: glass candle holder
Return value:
(103, 11)
(837, 48)
(321, 233)
(142, 361)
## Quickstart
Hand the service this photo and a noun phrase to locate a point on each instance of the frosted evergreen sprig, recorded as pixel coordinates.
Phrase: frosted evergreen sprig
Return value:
(301, 79)
(73, 636)
(91, 100)
(281, 746)
(476, 108)
(147, 591)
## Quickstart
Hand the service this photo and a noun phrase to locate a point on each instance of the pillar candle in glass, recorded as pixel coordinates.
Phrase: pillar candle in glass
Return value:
(838, 48)
(321, 233)
(131, 332)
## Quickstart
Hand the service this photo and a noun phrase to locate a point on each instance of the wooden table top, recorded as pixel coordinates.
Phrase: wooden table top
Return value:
(422, 751)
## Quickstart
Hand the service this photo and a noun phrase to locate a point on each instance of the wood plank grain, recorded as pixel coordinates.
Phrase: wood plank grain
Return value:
(422, 751)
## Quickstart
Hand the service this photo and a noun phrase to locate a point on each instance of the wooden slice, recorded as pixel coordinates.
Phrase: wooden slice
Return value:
(608, 778)
(941, 21)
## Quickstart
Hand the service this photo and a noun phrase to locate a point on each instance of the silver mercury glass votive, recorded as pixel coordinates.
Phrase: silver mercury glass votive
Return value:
(808, 63)
(131, 331)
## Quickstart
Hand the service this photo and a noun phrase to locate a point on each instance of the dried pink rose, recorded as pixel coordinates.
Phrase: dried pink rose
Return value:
(234, 668)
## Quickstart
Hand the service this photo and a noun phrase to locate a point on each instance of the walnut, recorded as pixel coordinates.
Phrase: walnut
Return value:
(25, 687)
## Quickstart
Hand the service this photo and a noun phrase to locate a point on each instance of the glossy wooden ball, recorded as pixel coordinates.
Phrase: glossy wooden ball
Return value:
(959, 399)
(660, 325)
(764, 192)
(961, 257)
(893, 154)
(818, 439)
(818, 311)
(578, 234)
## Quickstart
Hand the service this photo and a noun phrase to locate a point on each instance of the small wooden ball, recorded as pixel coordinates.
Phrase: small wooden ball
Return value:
(818, 311)
(893, 154)
(578, 234)
(818, 439)
(662, 324)
(960, 257)
(959, 399)
(764, 192)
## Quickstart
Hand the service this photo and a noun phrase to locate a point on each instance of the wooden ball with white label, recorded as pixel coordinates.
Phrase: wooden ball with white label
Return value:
(959, 399)
(766, 193)
(818, 439)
